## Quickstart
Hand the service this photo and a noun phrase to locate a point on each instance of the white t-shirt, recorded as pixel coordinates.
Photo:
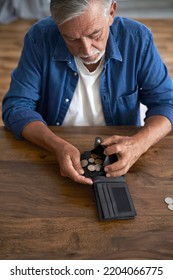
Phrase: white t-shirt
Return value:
(86, 108)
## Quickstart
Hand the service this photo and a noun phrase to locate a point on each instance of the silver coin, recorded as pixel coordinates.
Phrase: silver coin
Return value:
(169, 200)
(98, 161)
(91, 160)
(91, 167)
(97, 167)
(170, 207)
(84, 162)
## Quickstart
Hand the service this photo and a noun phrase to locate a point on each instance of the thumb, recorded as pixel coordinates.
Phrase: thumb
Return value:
(77, 165)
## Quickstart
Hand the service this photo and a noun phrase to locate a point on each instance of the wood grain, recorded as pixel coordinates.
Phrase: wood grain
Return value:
(11, 41)
(46, 216)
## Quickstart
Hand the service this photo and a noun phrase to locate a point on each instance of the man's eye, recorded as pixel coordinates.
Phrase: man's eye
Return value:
(71, 39)
(95, 36)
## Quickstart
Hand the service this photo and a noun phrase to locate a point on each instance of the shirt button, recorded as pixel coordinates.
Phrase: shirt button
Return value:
(57, 123)
(75, 73)
(67, 100)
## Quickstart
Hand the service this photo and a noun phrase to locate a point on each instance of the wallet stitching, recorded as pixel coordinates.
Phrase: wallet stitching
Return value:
(102, 200)
(108, 199)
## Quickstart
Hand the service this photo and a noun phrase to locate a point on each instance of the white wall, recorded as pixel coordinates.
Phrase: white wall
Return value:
(145, 8)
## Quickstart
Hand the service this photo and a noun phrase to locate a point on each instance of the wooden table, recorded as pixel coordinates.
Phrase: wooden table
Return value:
(46, 216)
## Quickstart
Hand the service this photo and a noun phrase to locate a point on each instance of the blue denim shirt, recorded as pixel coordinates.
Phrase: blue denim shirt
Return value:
(45, 79)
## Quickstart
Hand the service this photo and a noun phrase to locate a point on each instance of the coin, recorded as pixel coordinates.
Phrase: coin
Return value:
(97, 167)
(98, 161)
(94, 156)
(169, 200)
(84, 162)
(91, 160)
(170, 207)
(91, 167)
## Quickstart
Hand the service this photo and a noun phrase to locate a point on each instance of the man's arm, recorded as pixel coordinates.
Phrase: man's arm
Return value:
(129, 149)
(67, 155)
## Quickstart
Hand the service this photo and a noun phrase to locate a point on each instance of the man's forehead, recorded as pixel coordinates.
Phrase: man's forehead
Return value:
(78, 27)
(76, 34)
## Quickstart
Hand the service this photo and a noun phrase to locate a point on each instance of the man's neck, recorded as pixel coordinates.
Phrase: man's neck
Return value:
(92, 67)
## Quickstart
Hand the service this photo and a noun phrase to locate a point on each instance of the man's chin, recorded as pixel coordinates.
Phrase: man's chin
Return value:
(92, 59)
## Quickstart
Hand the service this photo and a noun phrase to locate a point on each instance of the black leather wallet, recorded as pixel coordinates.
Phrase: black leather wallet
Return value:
(112, 195)
(113, 198)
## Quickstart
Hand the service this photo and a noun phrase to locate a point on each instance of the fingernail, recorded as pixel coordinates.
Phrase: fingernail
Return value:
(108, 175)
(90, 182)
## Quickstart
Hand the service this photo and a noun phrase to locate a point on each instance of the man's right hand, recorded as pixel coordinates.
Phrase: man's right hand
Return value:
(67, 155)
(69, 163)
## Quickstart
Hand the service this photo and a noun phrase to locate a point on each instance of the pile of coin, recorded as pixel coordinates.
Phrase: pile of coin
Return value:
(169, 202)
(94, 163)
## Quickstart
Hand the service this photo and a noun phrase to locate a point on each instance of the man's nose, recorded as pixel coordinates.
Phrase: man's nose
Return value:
(85, 46)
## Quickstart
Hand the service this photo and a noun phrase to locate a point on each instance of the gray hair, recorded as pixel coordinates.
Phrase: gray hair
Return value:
(64, 10)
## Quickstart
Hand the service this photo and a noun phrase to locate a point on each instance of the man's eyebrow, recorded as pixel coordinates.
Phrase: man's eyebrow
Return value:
(67, 36)
(91, 34)
(95, 32)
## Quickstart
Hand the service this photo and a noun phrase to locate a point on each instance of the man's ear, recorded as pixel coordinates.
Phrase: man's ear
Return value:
(112, 12)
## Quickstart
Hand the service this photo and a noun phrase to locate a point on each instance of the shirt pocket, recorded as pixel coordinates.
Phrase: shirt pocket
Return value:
(128, 108)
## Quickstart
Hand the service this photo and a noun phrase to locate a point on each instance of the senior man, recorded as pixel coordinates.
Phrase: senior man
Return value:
(84, 66)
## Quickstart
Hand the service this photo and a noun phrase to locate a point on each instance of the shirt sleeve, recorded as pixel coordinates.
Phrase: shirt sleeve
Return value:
(155, 85)
(20, 102)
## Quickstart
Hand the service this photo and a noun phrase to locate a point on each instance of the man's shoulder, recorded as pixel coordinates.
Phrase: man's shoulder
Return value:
(130, 26)
(45, 27)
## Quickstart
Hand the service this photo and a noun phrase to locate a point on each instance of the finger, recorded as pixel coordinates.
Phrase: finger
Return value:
(75, 176)
(78, 175)
(110, 169)
(77, 165)
(117, 173)
(83, 180)
(70, 172)
(113, 149)
(80, 171)
(111, 140)
(120, 166)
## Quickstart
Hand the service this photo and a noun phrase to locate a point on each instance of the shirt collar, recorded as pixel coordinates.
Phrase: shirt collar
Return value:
(61, 52)
(112, 49)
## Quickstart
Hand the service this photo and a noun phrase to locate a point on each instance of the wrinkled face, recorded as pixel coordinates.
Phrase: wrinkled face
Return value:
(86, 36)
